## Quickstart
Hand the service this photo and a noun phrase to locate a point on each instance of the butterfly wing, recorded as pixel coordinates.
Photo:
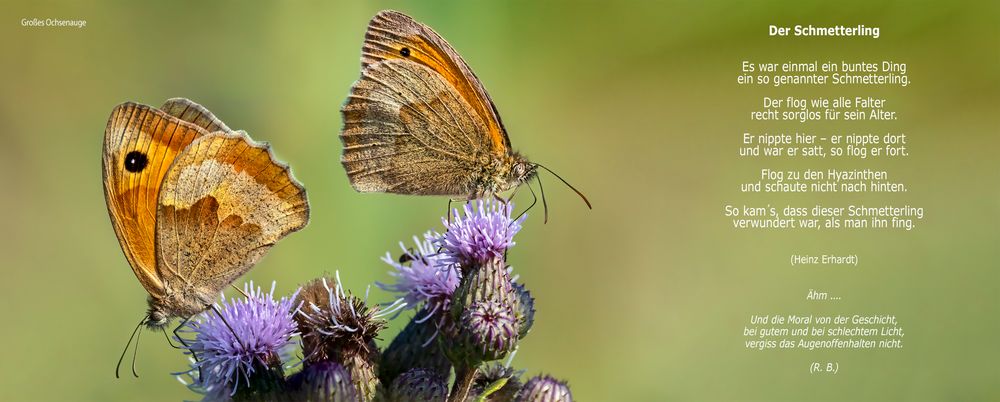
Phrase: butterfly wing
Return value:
(393, 35)
(140, 143)
(408, 131)
(223, 204)
(187, 110)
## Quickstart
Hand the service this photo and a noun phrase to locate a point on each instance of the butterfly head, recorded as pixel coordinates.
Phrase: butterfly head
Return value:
(157, 316)
(521, 171)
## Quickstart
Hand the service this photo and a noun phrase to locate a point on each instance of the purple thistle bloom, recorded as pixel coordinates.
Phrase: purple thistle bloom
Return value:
(261, 327)
(426, 280)
(492, 328)
(486, 231)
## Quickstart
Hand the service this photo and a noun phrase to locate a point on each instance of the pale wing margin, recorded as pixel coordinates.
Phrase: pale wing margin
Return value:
(389, 31)
(406, 130)
(225, 202)
(191, 112)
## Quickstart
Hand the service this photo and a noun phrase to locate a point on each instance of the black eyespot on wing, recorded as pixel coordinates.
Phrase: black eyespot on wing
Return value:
(405, 52)
(135, 161)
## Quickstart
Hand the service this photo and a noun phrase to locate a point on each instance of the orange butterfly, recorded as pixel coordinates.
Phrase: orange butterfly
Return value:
(420, 122)
(194, 204)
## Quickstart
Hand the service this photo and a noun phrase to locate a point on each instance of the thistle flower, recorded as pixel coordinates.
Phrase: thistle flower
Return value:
(544, 388)
(240, 347)
(483, 323)
(323, 382)
(339, 327)
(486, 231)
(419, 385)
(492, 327)
(425, 280)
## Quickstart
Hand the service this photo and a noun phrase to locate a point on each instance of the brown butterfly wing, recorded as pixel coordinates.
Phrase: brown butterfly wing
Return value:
(394, 35)
(224, 203)
(408, 131)
(132, 196)
(191, 112)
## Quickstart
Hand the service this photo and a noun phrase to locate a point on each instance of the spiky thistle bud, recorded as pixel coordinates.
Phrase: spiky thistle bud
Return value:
(483, 325)
(544, 388)
(419, 385)
(339, 327)
(415, 346)
(525, 309)
(322, 382)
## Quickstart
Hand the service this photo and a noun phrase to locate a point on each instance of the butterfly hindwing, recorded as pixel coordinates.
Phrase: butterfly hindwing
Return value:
(393, 35)
(407, 130)
(191, 112)
(224, 203)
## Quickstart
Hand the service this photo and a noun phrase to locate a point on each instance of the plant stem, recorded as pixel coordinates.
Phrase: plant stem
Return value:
(464, 376)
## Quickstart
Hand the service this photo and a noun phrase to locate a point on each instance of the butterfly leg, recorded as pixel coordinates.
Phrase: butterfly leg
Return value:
(240, 290)
(186, 346)
(223, 318)
(534, 199)
(169, 342)
(447, 212)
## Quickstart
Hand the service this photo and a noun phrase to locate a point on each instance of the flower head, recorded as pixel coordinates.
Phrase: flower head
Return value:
(419, 385)
(483, 322)
(333, 322)
(492, 328)
(486, 231)
(423, 278)
(323, 381)
(245, 336)
(544, 388)
(337, 326)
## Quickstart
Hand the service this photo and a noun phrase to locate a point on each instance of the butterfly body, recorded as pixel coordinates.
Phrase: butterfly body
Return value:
(194, 204)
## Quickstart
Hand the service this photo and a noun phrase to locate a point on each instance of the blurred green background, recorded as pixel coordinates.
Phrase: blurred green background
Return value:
(643, 298)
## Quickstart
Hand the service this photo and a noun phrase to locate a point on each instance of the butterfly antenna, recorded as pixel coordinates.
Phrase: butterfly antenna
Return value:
(135, 352)
(585, 200)
(545, 205)
(127, 344)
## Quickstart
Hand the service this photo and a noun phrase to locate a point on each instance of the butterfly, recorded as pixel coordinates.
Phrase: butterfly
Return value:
(193, 203)
(418, 121)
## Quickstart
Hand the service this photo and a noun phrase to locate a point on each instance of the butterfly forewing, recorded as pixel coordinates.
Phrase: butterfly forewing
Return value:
(394, 35)
(140, 143)
(408, 131)
(224, 203)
